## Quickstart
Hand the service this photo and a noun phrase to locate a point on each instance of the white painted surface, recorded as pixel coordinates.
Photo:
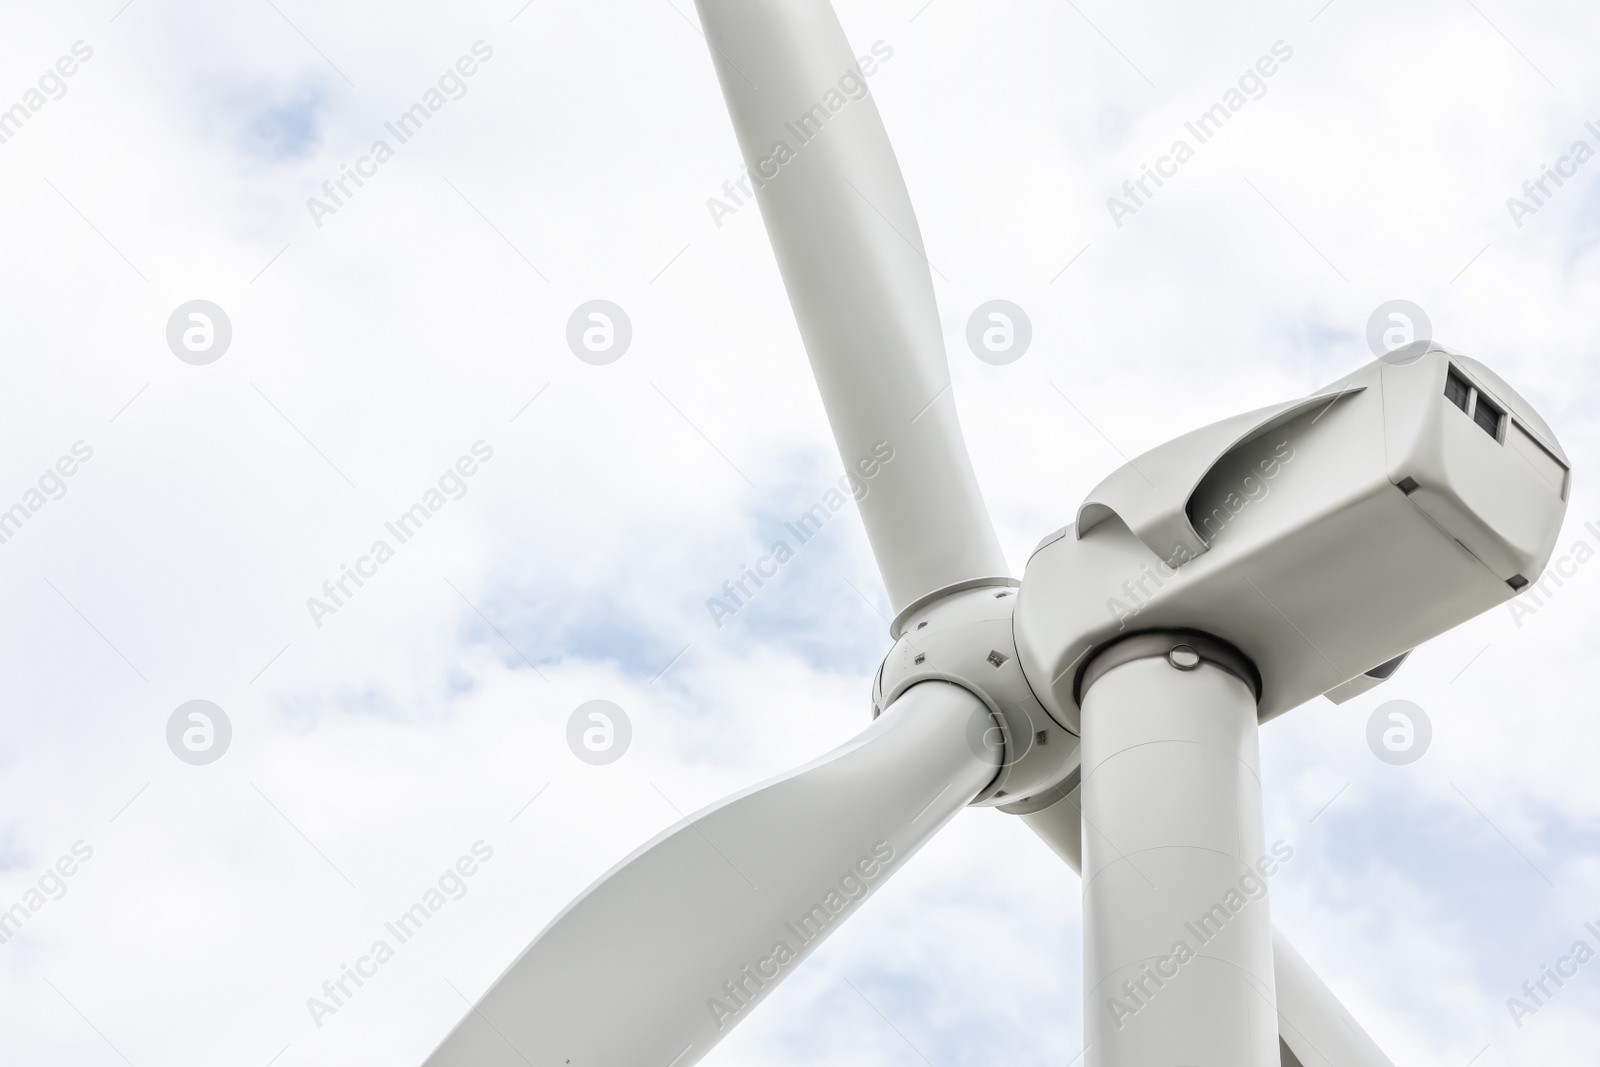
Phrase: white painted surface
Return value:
(633, 971)
(851, 255)
(1177, 952)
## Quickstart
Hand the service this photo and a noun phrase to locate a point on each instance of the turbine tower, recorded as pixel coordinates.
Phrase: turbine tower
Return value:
(1112, 698)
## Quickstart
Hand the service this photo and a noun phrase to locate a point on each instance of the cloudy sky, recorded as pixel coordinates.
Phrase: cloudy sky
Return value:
(423, 315)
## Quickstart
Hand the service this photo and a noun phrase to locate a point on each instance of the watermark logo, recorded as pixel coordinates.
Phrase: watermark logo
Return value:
(1251, 888)
(599, 332)
(52, 485)
(339, 190)
(1534, 596)
(199, 732)
(1252, 85)
(199, 332)
(599, 732)
(1141, 589)
(1398, 332)
(1565, 969)
(1537, 192)
(1399, 732)
(737, 592)
(990, 737)
(451, 885)
(51, 86)
(51, 885)
(999, 332)
(452, 485)
(799, 935)
(804, 128)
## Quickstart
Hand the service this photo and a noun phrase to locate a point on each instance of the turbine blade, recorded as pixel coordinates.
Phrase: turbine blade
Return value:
(852, 259)
(659, 959)
(1311, 1022)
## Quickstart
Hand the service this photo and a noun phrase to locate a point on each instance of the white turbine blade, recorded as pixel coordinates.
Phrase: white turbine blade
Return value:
(1314, 1027)
(658, 960)
(852, 260)
(1312, 1022)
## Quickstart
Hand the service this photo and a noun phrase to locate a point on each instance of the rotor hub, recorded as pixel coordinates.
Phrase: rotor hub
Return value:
(966, 638)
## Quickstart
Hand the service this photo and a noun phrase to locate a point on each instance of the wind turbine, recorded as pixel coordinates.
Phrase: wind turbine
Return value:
(1111, 698)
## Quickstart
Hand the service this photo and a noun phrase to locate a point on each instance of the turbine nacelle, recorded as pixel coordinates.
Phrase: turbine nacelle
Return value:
(1324, 537)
